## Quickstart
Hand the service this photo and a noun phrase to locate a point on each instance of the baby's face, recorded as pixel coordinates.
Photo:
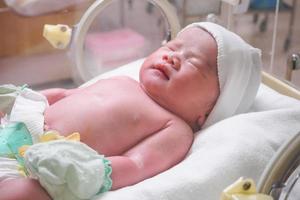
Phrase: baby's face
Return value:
(182, 75)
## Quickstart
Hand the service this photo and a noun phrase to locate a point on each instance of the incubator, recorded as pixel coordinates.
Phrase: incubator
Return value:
(97, 46)
(113, 33)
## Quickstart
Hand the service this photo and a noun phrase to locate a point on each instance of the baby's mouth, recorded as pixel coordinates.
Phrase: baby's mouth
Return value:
(163, 70)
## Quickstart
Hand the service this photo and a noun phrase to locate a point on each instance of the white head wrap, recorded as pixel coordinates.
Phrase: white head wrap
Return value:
(239, 69)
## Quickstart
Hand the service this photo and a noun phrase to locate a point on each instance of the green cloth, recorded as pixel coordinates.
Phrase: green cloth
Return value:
(12, 137)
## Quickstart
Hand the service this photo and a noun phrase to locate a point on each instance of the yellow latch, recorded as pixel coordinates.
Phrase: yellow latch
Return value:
(58, 35)
(243, 189)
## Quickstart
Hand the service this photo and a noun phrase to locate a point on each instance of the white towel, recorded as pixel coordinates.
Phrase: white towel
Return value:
(239, 67)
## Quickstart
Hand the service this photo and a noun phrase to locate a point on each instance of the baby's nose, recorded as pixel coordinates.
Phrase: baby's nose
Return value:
(172, 59)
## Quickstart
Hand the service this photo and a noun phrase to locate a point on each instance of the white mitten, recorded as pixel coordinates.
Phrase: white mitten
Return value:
(68, 169)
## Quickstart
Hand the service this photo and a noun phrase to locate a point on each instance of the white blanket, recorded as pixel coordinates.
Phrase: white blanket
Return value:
(238, 146)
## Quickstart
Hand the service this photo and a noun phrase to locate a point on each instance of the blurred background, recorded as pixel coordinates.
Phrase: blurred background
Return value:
(26, 57)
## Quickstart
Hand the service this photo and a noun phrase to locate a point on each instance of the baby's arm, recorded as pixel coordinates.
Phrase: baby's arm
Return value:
(153, 155)
(22, 189)
(55, 94)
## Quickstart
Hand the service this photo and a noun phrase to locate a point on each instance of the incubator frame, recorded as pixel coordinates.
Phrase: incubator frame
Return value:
(280, 86)
(283, 171)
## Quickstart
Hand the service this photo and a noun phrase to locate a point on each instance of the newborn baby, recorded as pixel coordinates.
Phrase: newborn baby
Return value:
(204, 75)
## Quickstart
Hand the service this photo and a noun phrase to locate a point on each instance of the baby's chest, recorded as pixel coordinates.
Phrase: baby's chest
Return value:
(128, 103)
(132, 111)
(128, 121)
(127, 117)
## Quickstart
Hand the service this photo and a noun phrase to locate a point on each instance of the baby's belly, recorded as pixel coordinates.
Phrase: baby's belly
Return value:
(105, 126)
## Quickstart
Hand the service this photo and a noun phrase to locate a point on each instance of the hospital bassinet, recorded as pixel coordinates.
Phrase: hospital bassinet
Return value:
(239, 146)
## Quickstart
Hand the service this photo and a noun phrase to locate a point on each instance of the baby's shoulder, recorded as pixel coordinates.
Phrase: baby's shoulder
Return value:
(173, 122)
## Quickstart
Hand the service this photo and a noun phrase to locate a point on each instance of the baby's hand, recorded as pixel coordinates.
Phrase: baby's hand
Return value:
(67, 169)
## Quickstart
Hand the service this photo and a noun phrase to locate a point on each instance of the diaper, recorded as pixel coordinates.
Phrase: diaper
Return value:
(24, 110)
(29, 108)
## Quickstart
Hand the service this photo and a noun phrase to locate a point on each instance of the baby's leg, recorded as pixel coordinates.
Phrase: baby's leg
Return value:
(22, 189)
(55, 94)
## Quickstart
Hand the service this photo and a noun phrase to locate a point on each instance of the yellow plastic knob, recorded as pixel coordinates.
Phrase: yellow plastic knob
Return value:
(243, 189)
(58, 35)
